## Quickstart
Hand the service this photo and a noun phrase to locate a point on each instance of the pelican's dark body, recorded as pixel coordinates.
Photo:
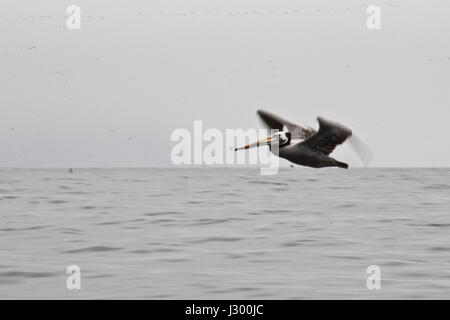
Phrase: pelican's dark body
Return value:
(304, 156)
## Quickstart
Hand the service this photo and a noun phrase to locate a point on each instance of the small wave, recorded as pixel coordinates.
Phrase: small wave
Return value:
(440, 249)
(99, 276)
(76, 193)
(245, 289)
(396, 263)
(426, 203)
(157, 195)
(120, 222)
(229, 194)
(10, 197)
(70, 231)
(174, 260)
(107, 223)
(93, 249)
(344, 256)
(276, 211)
(58, 201)
(340, 188)
(208, 221)
(25, 229)
(263, 182)
(216, 239)
(88, 207)
(140, 251)
(162, 221)
(438, 186)
(162, 213)
(232, 255)
(194, 202)
(296, 243)
(25, 274)
(346, 205)
(438, 225)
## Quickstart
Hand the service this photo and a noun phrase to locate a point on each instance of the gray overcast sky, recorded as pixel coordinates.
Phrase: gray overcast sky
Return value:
(111, 93)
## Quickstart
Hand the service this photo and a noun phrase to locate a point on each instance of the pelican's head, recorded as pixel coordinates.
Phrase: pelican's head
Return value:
(281, 138)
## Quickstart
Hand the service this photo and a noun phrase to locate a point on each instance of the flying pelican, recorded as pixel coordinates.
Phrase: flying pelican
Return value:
(306, 146)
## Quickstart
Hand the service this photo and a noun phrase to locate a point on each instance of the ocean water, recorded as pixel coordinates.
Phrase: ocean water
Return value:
(224, 233)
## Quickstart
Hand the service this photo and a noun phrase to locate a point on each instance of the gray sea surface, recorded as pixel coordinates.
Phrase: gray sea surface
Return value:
(225, 233)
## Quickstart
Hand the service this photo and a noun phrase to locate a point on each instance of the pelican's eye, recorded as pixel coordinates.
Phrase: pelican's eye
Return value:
(283, 139)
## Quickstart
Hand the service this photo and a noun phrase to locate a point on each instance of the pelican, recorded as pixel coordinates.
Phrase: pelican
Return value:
(306, 146)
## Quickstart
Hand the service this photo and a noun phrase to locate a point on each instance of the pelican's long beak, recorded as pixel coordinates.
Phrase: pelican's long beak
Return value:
(256, 144)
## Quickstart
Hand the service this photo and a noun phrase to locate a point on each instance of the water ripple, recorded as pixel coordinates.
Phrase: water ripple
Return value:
(93, 249)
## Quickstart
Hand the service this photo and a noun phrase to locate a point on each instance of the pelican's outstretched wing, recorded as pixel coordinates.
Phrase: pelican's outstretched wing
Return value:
(330, 135)
(276, 122)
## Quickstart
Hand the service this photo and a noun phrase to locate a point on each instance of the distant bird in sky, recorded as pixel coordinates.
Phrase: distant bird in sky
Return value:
(306, 146)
